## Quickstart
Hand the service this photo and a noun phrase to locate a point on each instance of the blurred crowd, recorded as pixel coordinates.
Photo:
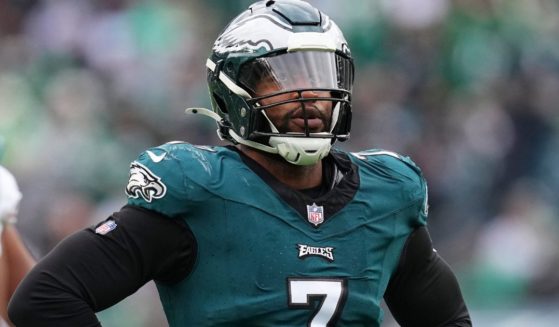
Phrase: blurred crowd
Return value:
(467, 88)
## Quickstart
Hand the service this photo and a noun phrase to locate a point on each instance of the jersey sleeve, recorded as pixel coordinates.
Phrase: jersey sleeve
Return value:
(421, 190)
(401, 171)
(160, 179)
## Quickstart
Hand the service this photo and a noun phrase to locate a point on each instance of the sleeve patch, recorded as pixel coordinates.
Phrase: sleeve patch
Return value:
(106, 227)
(144, 183)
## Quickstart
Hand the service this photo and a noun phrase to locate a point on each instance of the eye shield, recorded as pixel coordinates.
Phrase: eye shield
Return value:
(300, 70)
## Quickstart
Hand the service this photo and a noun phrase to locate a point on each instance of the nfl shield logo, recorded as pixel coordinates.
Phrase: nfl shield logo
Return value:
(315, 214)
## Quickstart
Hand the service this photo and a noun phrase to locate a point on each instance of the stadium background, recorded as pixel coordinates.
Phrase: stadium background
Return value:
(469, 89)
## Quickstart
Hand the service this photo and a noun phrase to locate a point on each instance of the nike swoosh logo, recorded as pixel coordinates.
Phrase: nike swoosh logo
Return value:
(156, 158)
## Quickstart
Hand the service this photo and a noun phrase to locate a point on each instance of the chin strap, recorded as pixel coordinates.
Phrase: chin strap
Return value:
(223, 128)
(205, 112)
(295, 150)
(222, 125)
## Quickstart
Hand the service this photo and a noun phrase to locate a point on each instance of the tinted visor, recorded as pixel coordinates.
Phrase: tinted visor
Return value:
(297, 70)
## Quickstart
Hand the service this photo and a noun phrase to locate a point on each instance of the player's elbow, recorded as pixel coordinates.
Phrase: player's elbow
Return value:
(26, 306)
(19, 310)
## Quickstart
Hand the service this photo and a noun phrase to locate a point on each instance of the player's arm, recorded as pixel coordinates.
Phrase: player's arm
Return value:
(94, 269)
(15, 259)
(15, 262)
(424, 290)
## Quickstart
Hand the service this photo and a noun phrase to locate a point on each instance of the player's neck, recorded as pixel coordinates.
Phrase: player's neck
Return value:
(294, 176)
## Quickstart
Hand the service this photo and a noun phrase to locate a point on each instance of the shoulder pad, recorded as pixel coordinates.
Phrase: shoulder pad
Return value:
(163, 178)
(394, 164)
(380, 154)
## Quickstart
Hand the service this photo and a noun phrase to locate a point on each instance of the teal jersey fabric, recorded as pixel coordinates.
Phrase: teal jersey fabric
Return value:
(260, 261)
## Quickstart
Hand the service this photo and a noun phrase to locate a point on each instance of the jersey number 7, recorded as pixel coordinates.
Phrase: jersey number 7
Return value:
(330, 292)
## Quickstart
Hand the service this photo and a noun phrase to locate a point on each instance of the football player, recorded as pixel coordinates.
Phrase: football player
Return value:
(277, 229)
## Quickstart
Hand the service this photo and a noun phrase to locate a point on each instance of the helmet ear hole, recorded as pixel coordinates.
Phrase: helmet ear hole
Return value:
(219, 102)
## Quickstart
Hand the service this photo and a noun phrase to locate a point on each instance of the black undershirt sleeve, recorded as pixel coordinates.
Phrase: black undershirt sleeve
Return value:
(424, 291)
(89, 272)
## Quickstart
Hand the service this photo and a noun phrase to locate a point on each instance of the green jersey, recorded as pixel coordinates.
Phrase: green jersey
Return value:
(272, 256)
